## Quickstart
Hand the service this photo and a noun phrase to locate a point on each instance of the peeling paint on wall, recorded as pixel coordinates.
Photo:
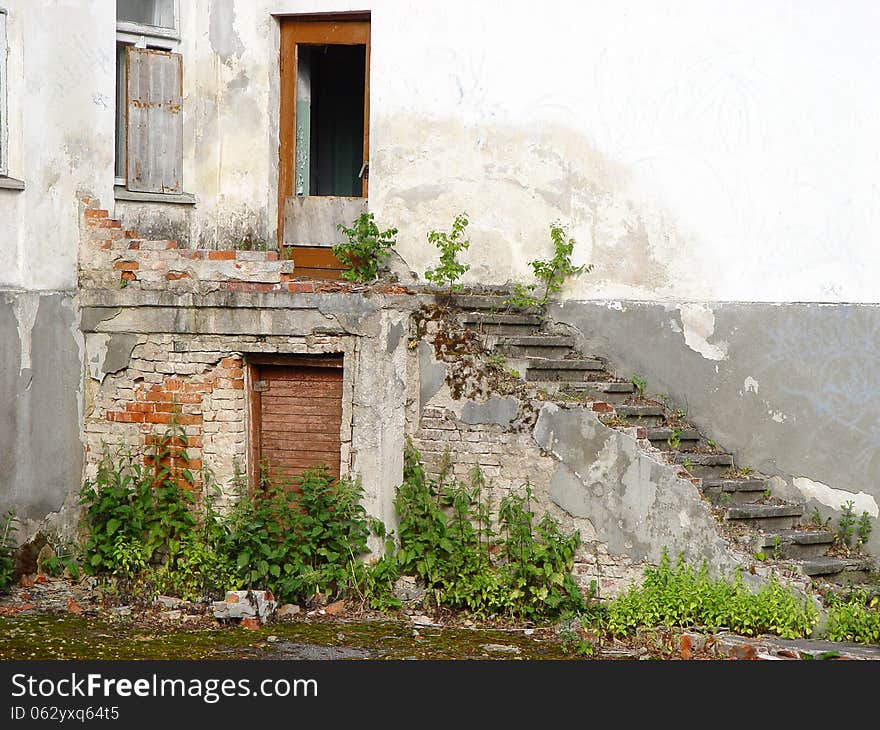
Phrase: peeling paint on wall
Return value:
(836, 498)
(25, 309)
(698, 323)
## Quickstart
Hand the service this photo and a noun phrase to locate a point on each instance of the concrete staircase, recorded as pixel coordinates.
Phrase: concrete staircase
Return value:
(548, 361)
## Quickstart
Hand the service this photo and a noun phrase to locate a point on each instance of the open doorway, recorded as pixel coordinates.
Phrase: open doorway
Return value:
(324, 143)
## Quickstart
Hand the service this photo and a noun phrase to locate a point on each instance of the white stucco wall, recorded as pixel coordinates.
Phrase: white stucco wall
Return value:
(699, 150)
(60, 124)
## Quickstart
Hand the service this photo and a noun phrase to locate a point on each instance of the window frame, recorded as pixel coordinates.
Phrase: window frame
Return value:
(155, 31)
(139, 36)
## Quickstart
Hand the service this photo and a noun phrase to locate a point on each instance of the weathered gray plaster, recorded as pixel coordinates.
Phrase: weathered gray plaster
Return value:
(109, 353)
(225, 42)
(378, 416)
(637, 505)
(40, 449)
(495, 410)
(392, 339)
(432, 374)
(790, 389)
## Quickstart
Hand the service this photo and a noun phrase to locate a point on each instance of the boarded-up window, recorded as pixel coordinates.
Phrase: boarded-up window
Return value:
(296, 411)
(154, 134)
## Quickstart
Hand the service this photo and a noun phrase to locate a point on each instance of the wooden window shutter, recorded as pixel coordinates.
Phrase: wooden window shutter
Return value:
(154, 135)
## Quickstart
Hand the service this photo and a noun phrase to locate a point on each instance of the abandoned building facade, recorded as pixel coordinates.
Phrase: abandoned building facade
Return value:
(172, 173)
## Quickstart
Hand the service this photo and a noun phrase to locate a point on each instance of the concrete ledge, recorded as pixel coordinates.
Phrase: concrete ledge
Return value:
(121, 193)
(11, 183)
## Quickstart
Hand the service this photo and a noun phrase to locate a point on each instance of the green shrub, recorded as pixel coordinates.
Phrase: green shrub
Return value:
(367, 248)
(138, 514)
(299, 544)
(7, 546)
(681, 596)
(450, 269)
(853, 618)
(550, 273)
(447, 540)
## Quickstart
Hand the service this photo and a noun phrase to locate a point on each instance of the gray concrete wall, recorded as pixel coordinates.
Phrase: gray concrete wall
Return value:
(40, 406)
(793, 390)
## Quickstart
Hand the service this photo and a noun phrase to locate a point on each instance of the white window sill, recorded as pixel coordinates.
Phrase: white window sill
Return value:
(121, 193)
(11, 183)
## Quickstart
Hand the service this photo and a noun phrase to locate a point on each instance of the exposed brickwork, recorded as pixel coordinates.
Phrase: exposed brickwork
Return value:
(509, 459)
(197, 382)
(112, 256)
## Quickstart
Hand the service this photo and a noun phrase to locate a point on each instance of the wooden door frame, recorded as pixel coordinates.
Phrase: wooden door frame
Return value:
(253, 363)
(345, 29)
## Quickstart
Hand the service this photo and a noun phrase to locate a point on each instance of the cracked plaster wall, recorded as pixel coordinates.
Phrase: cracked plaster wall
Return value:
(40, 408)
(691, 186)
(626, 504)
(132, 348)
(790, 389)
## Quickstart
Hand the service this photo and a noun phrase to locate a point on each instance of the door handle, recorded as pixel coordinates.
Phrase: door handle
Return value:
(364, 170)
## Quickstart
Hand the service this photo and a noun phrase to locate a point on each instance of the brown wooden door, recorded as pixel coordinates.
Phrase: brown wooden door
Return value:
(315, 212)
(296, 413)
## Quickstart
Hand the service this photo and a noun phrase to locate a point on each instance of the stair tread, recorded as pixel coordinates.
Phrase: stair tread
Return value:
(704, 459)
(826, 564)
(661, 433)
(494, 302)
(626, 410)
(797, 537)
(486, 318)
(535, 340)
(602, 386)
(547, 363)
(758, 511)
(736, 485)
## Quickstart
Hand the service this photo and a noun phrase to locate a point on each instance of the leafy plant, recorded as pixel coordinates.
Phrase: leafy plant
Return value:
(551, 273)
(7, 546)
(59, 560)
(853, 618)
(710, 443)
(640, 385)
(863, 528)
(450, 269)
(674, 438)
(448, 539)
(298, 539)
(846, 523)
(816, 518)
(681, 596)
(760, 556)
(367, 248)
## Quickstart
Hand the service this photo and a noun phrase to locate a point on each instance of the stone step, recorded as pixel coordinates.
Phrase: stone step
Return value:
(554, 369)
(734, 491)
(506, 324)
(836, 570)
(607, 391)
(796, 543)
(659, 438)
(483, 303)
(705, 466)
(546, 346)
(765, 516)
(643, 415)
